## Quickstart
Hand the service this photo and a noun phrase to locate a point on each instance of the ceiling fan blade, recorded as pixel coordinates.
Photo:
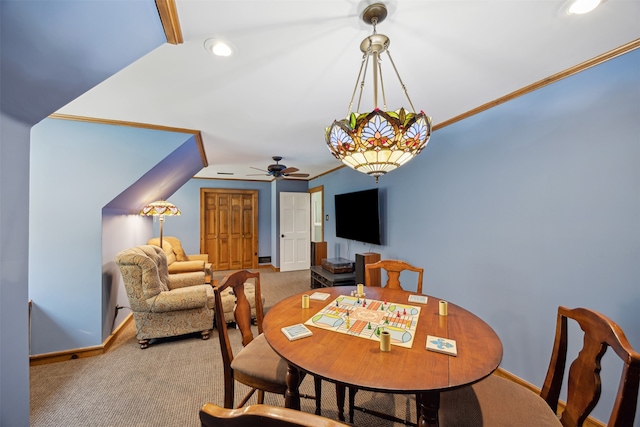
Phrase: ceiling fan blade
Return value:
(258, 169)
(259, 174)
(289, 170)
(298, 175)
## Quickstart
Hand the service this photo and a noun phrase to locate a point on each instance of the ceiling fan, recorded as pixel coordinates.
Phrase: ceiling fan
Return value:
(278, 170)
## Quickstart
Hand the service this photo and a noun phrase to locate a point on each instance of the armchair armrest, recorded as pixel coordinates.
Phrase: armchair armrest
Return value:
(181, 299)
(182, 280)
(185, 266)
(198, 257)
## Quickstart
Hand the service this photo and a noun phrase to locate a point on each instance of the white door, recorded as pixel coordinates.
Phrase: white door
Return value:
(295, 242)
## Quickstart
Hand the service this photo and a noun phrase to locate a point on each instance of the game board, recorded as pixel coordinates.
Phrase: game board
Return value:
(365, 318)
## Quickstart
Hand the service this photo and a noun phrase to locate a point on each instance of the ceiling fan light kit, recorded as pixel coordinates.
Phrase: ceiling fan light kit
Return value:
(379, 141)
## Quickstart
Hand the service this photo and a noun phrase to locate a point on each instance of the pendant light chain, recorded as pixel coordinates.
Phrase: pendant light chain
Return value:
(379, 141)
(404, 88)
(363, 65)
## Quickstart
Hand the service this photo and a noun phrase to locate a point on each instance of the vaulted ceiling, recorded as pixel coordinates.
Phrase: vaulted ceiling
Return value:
(296, 64)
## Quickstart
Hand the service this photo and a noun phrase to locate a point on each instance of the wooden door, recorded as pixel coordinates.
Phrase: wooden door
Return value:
(229, 228)
(249, 238)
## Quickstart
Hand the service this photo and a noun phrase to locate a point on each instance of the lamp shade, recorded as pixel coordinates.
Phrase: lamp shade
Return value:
(160, 207)
(380, 141)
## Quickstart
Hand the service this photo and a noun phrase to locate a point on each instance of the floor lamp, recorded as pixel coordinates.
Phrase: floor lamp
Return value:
(160, 208)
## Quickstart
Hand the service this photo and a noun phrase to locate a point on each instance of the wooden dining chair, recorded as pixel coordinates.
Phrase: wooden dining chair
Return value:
(498, 401)
(256, 365)
(261, 415)
(393, 267)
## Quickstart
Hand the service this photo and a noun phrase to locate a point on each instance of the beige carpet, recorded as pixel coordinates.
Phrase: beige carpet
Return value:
(166, 384)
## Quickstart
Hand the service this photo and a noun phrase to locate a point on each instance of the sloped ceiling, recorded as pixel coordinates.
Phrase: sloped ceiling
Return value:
(296, 64)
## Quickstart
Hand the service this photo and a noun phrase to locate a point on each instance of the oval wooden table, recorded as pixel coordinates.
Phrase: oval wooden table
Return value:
(355, 361)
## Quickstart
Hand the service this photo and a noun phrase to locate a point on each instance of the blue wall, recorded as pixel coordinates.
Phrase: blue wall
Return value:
(187, 226)
(279, 186)
(14, 253)
(512, 212)
(99, 176)
(76, 169)
(41, 72)
(522, 208)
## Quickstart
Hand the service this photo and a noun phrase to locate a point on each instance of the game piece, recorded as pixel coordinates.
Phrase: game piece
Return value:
(397, 314)
(364, 303)
(405, 312)
(386, 320)
(369, 325)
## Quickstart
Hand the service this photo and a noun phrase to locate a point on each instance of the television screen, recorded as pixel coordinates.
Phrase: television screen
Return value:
(358, 216)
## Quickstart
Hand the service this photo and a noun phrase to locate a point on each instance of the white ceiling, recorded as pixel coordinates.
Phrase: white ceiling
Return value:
(297, 62)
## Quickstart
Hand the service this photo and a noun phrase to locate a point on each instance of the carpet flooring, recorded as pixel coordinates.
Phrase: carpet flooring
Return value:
(167, 383)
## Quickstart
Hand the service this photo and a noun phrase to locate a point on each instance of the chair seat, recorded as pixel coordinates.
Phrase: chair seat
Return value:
(256, 365)
(258, 360)
(495, 402)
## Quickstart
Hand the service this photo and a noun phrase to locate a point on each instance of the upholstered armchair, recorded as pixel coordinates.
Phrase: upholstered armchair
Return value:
(164, 304)
(229, 300)
(178, 261)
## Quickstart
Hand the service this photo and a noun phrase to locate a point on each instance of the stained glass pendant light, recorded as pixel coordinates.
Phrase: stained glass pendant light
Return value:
(160, 208)
(379, 141)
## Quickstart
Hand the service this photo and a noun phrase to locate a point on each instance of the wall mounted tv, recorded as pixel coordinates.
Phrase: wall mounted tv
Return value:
(358, 216)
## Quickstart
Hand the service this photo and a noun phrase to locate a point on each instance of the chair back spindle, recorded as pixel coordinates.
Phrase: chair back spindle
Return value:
(584, 385)
(242, 311)
(393, 268)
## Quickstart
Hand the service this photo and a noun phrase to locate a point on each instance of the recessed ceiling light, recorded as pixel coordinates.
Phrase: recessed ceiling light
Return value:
(219, 47)
(580, 7)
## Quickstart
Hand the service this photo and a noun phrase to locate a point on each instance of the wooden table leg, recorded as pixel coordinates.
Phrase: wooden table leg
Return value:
(340, 395)
(429, 403)
(292, 396)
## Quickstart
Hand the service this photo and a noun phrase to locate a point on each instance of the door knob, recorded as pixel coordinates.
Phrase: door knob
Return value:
(282, 235)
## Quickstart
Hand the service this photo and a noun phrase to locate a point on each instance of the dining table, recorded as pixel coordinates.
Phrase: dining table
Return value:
(350, 360)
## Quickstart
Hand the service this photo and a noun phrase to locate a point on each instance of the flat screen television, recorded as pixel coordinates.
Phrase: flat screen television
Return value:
(358, 216)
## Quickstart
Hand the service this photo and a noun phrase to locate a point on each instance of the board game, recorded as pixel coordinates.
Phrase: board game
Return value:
(365, 318)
